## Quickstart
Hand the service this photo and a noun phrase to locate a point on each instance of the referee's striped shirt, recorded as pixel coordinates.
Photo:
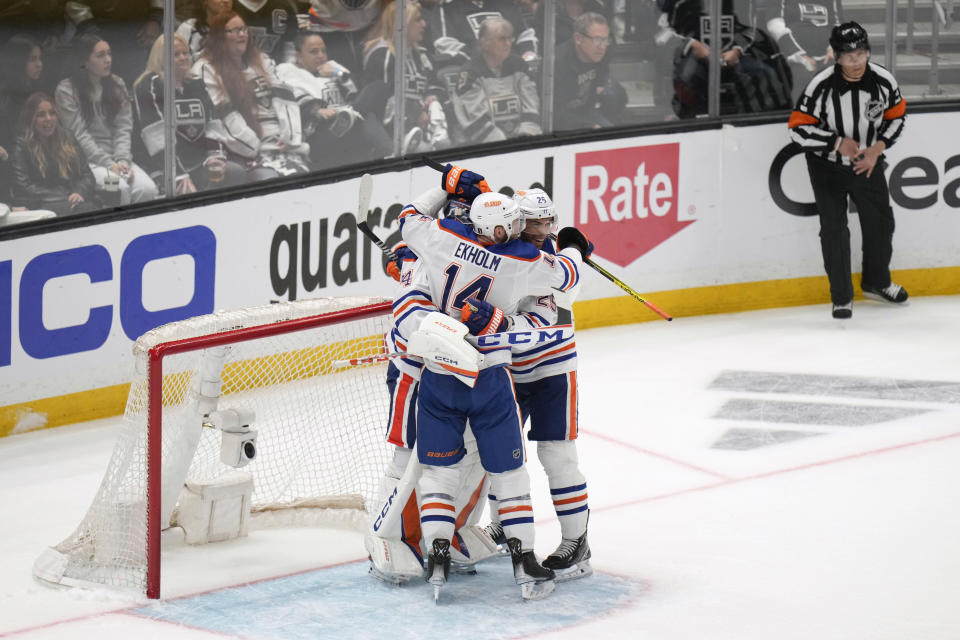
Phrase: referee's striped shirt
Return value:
(831, 108)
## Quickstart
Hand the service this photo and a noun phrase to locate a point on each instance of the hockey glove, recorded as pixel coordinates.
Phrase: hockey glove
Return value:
(482, 318)
(465, 184)
(573, 237)
(394, 267)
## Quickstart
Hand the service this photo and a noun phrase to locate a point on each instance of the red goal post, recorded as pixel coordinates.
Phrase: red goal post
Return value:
(321, 430)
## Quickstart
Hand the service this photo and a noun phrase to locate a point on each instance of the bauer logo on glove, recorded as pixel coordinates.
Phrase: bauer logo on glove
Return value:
(462, 183)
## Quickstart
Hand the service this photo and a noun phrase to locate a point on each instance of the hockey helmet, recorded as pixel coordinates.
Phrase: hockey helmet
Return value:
(535, 204)
(491, 210)
(847, 37)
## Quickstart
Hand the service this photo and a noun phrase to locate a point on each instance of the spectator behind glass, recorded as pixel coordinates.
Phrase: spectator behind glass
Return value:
(93, 103)
(800, 29)
(585, 96)
(569, 10)
(426, 123)
(261, 120)
(337, 133)
(195, 30)
(496, 99)
(130, 25)
(200, 162)
(272, 25)
(21, 75)
(50, 169)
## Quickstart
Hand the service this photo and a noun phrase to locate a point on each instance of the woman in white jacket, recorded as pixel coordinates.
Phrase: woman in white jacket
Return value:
(95, 106)
(260, 118)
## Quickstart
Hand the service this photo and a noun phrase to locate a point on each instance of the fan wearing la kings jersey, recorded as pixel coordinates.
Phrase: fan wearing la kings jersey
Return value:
(847, 116)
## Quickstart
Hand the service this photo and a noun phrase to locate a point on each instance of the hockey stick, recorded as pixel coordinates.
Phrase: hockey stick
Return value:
(363, 205)
(623, 285)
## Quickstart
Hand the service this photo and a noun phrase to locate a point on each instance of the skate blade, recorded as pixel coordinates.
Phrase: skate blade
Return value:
(463, 569)
(436, 593)
(537, 590)
(581, 570)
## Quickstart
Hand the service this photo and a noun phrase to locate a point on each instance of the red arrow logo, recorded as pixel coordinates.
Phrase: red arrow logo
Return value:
(626, 199)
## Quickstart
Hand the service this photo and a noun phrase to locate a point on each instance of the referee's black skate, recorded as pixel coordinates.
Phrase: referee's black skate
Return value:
(571, 560)
(891, 293)
(843, 311)
(535, 580)
(438, 566)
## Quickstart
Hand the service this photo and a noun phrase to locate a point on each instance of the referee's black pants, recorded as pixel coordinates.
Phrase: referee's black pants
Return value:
(831, 185)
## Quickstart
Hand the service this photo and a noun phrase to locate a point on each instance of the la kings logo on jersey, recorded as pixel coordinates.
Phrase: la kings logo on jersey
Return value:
(815, 14)
(874, 110)
(190, 118)
(476, 19)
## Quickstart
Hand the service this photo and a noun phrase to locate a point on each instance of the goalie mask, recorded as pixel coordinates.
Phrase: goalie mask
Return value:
(491, 210)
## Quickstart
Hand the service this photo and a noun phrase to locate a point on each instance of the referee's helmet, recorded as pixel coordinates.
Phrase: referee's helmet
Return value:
(849, 36)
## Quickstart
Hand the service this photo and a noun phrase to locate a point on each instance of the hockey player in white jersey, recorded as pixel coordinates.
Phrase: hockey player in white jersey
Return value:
(485, 263)
(545, 378)
(396, 553)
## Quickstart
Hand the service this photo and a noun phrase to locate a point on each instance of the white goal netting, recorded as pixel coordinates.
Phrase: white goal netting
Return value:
(320, 430)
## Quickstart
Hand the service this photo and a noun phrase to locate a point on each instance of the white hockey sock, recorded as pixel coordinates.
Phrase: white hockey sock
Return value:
(568, 487)
(438, 487)
(515, 513)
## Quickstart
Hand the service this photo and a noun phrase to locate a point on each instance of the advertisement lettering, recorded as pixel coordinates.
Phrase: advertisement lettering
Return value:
(94, 261)
(626, 199)
(909, 173)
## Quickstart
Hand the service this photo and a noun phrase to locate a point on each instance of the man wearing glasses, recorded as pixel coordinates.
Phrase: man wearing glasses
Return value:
(585, 97)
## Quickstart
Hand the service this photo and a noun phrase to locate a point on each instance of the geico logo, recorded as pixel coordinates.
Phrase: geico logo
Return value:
(37, 312)
(443, 454)
(914, 182)
(493, 203)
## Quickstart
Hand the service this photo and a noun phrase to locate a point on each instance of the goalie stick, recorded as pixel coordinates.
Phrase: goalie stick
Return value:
(363, 205)
(433, 164)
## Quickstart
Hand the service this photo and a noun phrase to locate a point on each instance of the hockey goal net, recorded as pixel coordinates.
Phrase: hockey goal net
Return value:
(319, 448)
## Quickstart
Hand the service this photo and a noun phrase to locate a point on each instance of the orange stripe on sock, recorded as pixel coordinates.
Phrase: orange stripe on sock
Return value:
(437, 505)
(569, 500)
(513, 509)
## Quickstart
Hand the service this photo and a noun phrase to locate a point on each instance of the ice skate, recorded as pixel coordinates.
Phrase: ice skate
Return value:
(535, 581)
(438, 566)
(891, 293)
(571, 560)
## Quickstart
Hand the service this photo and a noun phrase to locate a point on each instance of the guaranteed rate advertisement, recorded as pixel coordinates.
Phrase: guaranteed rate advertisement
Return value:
(683, 211)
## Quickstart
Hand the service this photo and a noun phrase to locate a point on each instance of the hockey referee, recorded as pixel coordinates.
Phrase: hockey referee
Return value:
(845, 119)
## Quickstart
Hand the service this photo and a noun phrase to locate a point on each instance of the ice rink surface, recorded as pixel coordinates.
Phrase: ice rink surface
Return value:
(772, 474)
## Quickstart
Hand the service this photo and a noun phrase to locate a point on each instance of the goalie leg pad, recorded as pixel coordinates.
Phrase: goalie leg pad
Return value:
(474, 545)
(392, 560)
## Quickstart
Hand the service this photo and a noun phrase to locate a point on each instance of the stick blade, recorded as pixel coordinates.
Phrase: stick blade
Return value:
(366, 192)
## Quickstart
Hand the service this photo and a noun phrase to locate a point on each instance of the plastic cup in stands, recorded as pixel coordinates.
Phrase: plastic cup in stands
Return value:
(111, 189)
(216, 166)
